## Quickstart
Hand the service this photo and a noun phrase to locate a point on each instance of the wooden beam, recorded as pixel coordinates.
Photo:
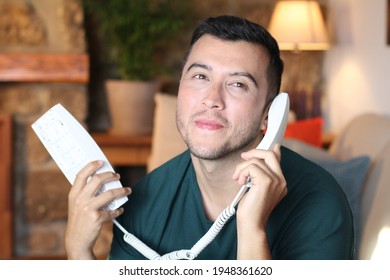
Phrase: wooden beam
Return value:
(49, 68)
(6, 197)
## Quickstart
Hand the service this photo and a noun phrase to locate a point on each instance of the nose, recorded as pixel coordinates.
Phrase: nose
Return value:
(214, 98)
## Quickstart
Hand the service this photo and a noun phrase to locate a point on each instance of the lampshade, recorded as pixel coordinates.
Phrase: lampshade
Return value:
(299, 25)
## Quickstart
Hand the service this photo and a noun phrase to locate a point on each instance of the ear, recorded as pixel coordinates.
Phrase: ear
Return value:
(264, 119)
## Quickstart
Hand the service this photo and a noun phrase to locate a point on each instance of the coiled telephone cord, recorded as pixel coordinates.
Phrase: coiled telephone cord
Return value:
(198, 247)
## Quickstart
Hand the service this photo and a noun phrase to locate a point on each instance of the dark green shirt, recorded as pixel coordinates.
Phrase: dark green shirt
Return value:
(165, 211)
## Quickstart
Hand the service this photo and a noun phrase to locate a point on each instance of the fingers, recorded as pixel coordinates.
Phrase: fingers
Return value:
(86, 211)
(101, 201)
(268, 185)
(265, 171)
(105, 216)
(93, 187)
(114, 213)
(88, 184)
(84, 174)
(267, 161)
(253, 168)
(271, 158)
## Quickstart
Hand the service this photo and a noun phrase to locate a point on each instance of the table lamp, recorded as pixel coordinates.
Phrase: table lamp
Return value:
(299, 26)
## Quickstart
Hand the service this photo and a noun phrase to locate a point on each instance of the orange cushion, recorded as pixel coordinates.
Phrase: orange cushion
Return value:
(308, 130)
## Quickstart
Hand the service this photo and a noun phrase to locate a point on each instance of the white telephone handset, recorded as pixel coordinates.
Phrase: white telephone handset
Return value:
(277, 122)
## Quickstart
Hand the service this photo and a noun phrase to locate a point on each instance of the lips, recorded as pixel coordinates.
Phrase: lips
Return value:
(208, 124)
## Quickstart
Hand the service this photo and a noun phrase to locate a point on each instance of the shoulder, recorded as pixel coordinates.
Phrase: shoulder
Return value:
(299, 171)
(309, 182)
(315, 215)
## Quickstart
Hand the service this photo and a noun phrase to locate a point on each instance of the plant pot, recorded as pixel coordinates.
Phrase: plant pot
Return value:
(131, 106)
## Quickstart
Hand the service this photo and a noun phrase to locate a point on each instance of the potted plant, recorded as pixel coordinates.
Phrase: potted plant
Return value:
(136, 32)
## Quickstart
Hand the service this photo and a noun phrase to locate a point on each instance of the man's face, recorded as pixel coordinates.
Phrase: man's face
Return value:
(221, 97)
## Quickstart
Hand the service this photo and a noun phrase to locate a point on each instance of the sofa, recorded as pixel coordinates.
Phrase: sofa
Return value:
(358, 157)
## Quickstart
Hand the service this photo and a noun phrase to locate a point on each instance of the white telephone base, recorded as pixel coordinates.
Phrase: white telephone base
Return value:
(72, 147)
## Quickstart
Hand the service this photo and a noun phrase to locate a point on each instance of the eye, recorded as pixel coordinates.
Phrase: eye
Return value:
(200, 77)
(239, 88)
(239, 85)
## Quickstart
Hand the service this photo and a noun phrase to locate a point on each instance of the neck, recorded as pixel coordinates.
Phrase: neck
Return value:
(214, 178)
(215, 183)
(211, 173)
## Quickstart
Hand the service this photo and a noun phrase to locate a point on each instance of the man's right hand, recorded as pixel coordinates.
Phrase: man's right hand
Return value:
(85, 210)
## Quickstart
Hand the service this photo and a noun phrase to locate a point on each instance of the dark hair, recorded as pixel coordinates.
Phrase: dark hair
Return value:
(232, 28)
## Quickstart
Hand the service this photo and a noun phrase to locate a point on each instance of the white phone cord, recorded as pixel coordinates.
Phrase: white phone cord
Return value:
(198, 247)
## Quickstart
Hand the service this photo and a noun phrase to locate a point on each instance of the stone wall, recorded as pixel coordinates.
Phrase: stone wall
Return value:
(40, 190)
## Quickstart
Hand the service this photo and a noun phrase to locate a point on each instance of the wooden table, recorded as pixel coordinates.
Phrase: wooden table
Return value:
(123, 150)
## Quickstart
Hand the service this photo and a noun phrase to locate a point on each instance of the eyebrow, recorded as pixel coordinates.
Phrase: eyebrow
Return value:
(207, 67)
(194, 65)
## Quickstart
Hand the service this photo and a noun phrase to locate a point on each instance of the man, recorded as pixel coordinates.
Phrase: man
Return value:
(294, 209)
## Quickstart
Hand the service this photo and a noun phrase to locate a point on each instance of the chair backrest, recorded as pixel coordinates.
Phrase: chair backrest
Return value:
(366, 134)
(166, 140)
(369, 134)
(6, 213)
(375, 209)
